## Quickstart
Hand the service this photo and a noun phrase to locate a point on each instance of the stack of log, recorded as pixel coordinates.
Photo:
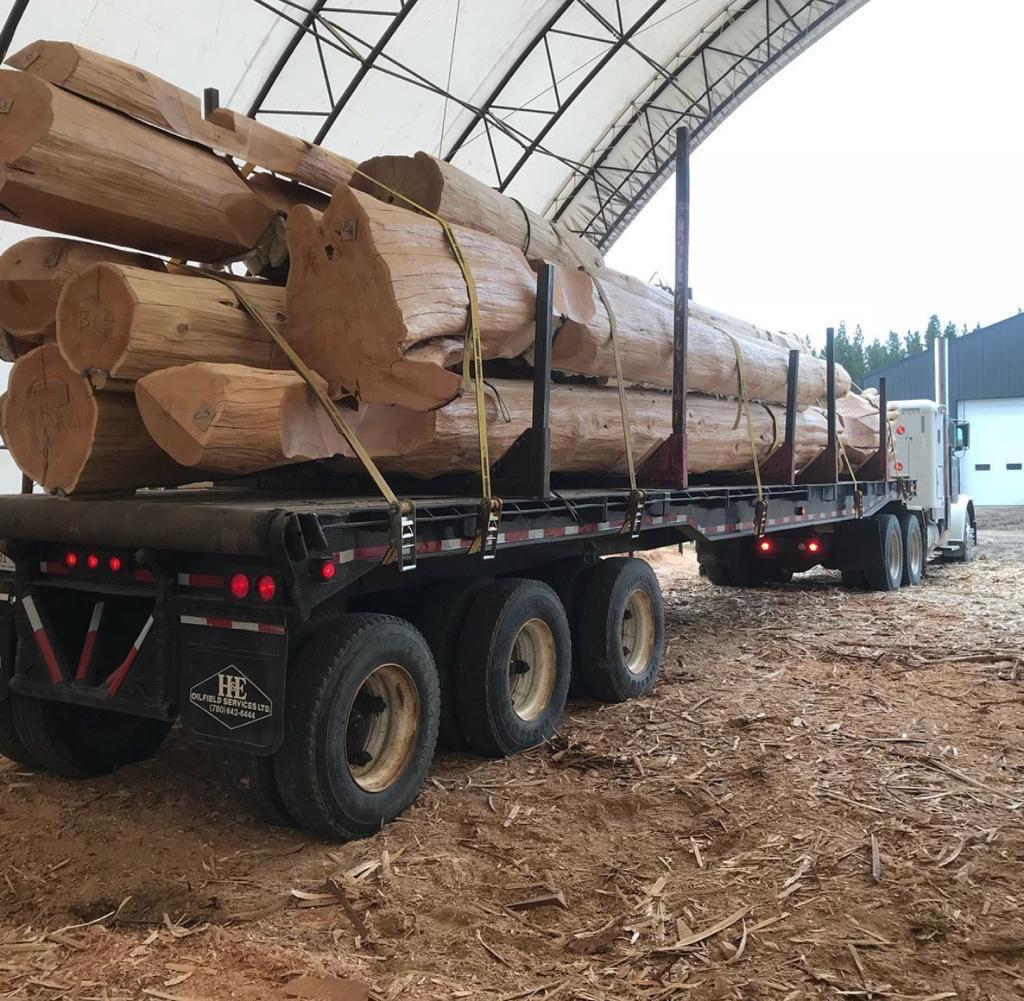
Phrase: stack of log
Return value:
(135, 369)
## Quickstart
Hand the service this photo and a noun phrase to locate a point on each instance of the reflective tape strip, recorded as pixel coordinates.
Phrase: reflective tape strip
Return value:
(117, 677)
(248, 627)
(52, 567)
(43, 641)
(90, 642)
(211, 580)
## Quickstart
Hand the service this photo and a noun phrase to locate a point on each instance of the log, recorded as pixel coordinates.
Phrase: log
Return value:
(33, 273)
(283, 423)
(125, 88)
(462, 200)
(369, 282)
(68, 165)
(232, 419)
(124, 322)
(69, 438)
(644, 322)
(857, 418)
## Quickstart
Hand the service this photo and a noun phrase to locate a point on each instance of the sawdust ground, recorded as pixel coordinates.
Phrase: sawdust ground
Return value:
(837, 775)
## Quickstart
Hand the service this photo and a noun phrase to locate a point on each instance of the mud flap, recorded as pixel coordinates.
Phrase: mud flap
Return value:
(233, 682)
(8, 637)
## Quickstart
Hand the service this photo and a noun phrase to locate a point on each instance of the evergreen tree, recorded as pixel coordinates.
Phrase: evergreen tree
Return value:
(893, 348)
(950, 330)
(912, 343)
(876, 355)
(933, 330)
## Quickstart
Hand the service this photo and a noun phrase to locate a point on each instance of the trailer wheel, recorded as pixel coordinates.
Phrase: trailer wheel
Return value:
(623, 635)
(883, 567)
(913, 548)
(361, 719)
(251, 781)
(513, 667)
(11, 745)
(78, 742)
(568, 579)
(440, 620)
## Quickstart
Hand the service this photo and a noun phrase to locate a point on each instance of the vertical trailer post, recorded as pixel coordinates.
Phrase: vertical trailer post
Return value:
(825, 468)
(525, 469)
(668, 465)
(211, 101)
(780, 466)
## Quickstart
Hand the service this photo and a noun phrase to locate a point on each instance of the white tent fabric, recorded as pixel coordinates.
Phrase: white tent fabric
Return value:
(571, 106)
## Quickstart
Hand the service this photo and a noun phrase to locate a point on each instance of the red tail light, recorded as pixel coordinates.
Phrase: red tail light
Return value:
(327, 570)
(266, 588)
(115, 564)
(92, 561)
(813, 546)
(900, 429)
(238, 585)
(765, 546)
(70, 560)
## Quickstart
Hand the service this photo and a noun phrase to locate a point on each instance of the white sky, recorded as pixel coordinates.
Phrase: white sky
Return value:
(878, 178)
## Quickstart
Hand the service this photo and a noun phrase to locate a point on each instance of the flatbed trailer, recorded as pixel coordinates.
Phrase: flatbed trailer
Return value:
(326, 639)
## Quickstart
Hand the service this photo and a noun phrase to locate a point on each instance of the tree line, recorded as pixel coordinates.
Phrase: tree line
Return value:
(859, 357)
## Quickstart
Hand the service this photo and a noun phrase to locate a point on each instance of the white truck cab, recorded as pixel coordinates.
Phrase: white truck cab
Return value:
(928, 445)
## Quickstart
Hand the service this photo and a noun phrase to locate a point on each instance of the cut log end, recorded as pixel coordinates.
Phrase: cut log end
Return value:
(95, 319)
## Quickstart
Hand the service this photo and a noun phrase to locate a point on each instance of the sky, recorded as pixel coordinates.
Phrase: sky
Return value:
(876, 179)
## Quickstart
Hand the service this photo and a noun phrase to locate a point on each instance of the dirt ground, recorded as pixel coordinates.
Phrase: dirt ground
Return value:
(823, 798)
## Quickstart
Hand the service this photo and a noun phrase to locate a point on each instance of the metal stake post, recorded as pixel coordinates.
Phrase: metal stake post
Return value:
(825, 468)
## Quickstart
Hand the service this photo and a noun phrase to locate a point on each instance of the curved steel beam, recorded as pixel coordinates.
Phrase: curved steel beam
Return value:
(11, 26)
(289, 51)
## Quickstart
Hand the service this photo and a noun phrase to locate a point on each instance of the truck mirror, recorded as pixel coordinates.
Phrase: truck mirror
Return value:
(962, 436)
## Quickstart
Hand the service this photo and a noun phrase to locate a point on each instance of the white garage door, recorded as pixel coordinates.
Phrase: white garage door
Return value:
(992, 469)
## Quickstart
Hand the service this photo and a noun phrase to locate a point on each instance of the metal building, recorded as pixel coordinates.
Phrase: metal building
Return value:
(986, 385)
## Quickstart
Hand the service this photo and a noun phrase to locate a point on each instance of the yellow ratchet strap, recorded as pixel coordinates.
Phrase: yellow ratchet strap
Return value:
(403, 510)
(472, 365)
(761, 506)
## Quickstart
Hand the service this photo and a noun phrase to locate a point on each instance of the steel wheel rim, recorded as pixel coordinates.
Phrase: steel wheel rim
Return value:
(894, 556)
(916, 553)
(532, 669)
(637, 631)
(381, 728)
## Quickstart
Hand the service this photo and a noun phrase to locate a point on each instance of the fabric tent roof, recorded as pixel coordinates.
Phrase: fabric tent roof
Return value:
(571, 106)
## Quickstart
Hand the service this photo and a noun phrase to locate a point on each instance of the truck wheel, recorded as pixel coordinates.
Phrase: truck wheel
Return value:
(883, 568)
(11, 745)
(623, 636)
(78, 742)
(913, 548)
(513, 667)
(251, 781)
(440, 620)
(361, 718)
(568, 579)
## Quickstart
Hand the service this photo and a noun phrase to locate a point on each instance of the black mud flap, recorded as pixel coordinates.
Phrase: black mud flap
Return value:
(233, 682)
(8, 643)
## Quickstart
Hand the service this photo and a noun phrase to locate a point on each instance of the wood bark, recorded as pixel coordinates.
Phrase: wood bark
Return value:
(72, 166)
(370, 282)
(126, 322)
(644, 324)
(857, 417)
(462, 200)
(233, 419)
(138, 93)
(69, 438)
(34, 272)
(230, 419)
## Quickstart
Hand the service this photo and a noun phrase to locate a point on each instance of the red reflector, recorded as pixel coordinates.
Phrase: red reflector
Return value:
(71, 560)
(327, 570)
(115, 564)
(238, 585)
(899, 466)
(266, 588)
(92, 561)
(766, 546)
(813, 546)
(900, 429)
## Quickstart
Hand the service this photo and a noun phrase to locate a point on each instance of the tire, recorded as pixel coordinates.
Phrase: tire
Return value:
(883, 569)
(966, 552)
(361, 718)
(513, 667)
(568, 579)
(11, 745)
(622, 638)
(79, 742)
(913, 549)
(440, 620)
(251, 780)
